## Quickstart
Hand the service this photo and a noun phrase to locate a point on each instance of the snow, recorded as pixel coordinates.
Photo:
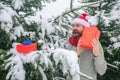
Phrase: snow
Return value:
(6, 22)
(18, 30)
(117, 63)
(47, 27)
(16, 61)
(106, 20)
(93, 20)
(54, 9)
(68, 58)
(118, 37)
(18, 4)
(10, 11)
(114, 66)
(115, 12)
(58, 78)
(51, 10)
(69, 62)
(3, 15)
(40, 41)
(17, 71)
(116, 45)
(6, 26)
(13, 37)
(6, 11)
(43, 74)
(113, 39)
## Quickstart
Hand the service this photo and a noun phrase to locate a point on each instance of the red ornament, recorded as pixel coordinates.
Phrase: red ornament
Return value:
(25, 49)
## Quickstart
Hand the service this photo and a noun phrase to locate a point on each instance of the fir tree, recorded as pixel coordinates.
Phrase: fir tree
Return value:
(17, 25)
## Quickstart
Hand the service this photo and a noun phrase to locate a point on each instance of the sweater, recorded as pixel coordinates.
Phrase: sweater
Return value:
(90, 65)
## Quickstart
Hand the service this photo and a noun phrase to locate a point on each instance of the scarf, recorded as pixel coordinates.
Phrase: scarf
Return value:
(74, 41)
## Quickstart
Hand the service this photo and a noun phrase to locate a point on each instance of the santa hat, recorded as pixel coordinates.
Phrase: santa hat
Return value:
(82, 20)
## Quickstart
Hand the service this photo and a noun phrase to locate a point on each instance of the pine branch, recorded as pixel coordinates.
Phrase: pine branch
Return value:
(78, 8)
(92, 3)
(71, 4)
(82, 74)
(112, 65)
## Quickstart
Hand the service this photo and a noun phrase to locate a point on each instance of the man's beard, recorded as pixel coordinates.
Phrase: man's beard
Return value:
(76, 34)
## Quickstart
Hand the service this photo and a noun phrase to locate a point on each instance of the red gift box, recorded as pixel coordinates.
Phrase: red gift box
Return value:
(87, 37)
(26, 48)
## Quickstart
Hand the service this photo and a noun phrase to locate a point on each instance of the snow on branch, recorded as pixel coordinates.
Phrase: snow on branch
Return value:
(16, 62)
(43, 74)
(18, 4)
(82, 5)
(69, 61)
(112, 65)
(91, 3)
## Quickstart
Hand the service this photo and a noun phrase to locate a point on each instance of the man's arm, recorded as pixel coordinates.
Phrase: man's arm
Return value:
(99, 62)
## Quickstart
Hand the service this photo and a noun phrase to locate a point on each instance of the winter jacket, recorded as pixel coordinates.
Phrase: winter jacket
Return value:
(90, 65)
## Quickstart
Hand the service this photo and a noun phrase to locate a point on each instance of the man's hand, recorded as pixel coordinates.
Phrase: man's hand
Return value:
(95, 44)
(79, 48)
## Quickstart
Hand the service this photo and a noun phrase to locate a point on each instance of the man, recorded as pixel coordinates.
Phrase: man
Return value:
(91, 62)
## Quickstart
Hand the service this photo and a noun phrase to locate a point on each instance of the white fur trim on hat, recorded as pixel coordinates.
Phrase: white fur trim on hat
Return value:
(81, 21)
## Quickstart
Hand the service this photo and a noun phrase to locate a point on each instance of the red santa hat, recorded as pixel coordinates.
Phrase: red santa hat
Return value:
(82, 20)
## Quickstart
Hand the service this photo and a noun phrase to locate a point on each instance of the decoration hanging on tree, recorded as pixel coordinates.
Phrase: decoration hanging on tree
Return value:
(26, 47)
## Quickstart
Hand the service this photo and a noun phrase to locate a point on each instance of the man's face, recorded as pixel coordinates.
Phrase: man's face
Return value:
(77, 30)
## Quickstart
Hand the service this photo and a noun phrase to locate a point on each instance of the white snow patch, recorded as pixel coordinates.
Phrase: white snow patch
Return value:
(116, 45)
(69, 60)
(18, 4)
(113, 39)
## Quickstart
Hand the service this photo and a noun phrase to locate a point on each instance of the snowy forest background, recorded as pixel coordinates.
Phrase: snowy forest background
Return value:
(48, 23)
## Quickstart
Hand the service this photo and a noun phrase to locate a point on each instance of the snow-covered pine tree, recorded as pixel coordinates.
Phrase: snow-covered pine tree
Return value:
(20, 25)
(17, 24)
